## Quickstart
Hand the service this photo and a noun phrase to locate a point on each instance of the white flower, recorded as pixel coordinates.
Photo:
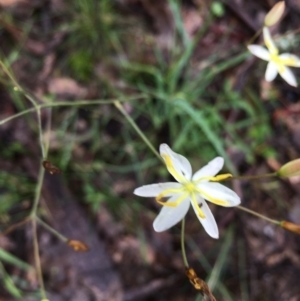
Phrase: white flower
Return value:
(277, 62)
(189, 190)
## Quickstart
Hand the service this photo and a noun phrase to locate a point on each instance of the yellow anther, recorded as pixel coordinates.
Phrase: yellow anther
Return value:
(221, 177)
(217, 178)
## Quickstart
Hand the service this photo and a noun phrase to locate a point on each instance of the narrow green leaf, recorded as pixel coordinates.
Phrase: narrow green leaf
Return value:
(9, 258)
(199, 120)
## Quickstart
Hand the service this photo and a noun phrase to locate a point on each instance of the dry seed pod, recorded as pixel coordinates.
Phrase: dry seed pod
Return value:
(290, 227)
(51, 168)
(199, 284)
(78, 245)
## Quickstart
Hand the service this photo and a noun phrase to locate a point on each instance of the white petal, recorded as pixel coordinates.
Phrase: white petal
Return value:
(170, 216)
(269, 42)
(208, 223)
(210, 169)
(271, 72)
(290, 60)
(154, 190)
(288, 76)
(181, 164)
(260, 52)
(219, 192)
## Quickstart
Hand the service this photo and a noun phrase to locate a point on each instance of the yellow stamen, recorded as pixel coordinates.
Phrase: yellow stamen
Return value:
(167, 192)
(221, 177)
(218, 202)
(212, 199)
(179, 177)
(273, 50)
(175, 203)
(169, 204)
(289, 62)
(280, 68)
(198, 209)
(217, 178)
(269, 42)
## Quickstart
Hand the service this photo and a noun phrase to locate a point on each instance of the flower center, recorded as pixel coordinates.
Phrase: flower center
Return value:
(279, 62)
(189, 189)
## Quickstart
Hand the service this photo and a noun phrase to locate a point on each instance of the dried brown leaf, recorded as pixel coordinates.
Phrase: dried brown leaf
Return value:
(199, 284)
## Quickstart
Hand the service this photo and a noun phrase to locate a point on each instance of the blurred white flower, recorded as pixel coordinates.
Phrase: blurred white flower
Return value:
(278, 63)
(189, 190)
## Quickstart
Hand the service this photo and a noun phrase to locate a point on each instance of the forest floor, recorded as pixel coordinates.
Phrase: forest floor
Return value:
(182, 72)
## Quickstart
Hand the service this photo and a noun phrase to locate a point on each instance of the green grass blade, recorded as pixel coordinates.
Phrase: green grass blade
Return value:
(9, 284)
(214, 277)
(9, 258)
(199, 120)
(221, 288)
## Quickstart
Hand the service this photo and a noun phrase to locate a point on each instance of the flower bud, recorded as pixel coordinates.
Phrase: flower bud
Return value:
(290, 227)
(290, 169)
(78, 245)
(275, 14)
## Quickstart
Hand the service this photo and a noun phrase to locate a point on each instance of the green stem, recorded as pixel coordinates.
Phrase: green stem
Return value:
(69, 104)
(273, 221)
(38, 112)
(33, 216)
(119, 106)
(32, 100)
(38, 260)
(268, 175)
(17, 115)
(17, 85)
(182, 243)
(52, 230)
(37, 192)
(5, 69)
(254, 37)
(48, 129)
(14, 226)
